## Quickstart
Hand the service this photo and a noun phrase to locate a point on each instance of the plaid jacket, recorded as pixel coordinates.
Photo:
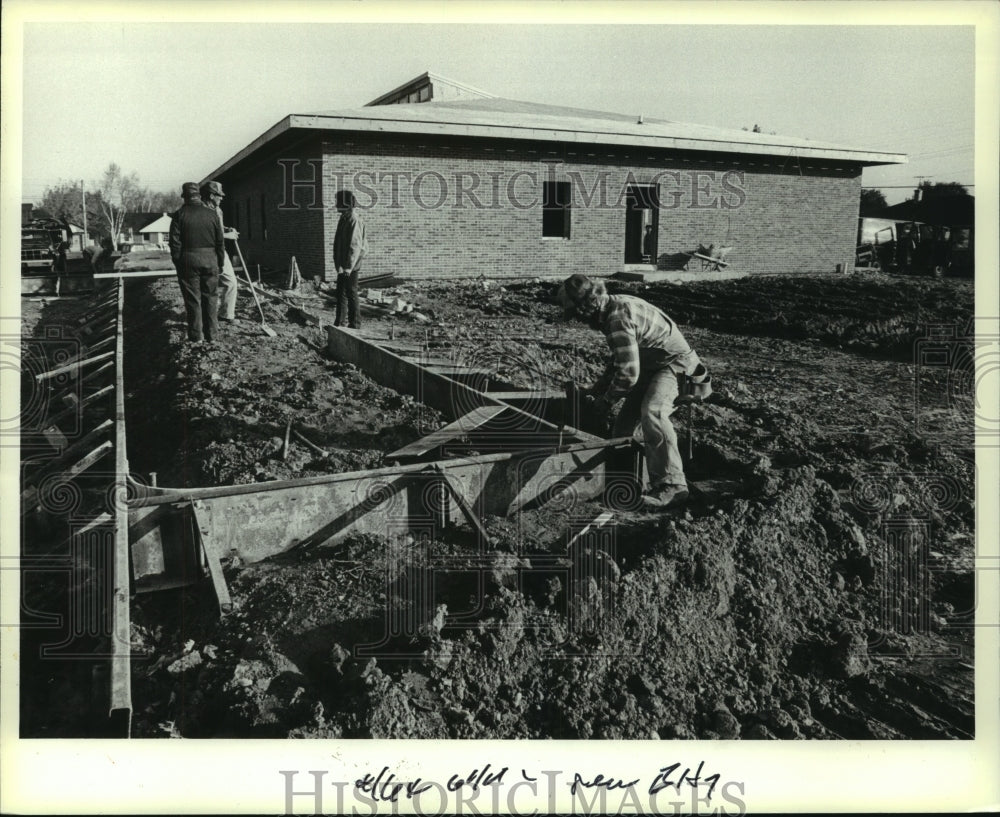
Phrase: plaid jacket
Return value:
(641, 337)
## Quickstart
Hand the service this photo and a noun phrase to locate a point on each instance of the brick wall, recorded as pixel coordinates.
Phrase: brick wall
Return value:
(254, 197)
(780, 215)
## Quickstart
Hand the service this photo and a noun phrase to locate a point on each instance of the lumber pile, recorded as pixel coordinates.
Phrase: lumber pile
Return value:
(388, 302)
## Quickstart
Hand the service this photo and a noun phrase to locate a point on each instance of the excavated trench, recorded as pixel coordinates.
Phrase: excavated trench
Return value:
(816, 586)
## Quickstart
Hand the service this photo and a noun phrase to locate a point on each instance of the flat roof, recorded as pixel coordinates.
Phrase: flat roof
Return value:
(499, 118)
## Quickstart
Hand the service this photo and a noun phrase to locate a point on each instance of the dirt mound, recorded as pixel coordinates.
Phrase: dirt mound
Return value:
(218, 415)
(818, 584)
(755, 620)
(873, 314)
(810, 589)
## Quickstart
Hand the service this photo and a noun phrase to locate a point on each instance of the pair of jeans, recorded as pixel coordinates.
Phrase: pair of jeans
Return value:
(198, 274)
(347, 300)
(227, 290)
(649, 404)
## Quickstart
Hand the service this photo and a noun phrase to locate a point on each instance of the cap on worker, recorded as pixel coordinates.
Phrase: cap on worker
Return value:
(580, 295)
(213, 187)
(189, 190)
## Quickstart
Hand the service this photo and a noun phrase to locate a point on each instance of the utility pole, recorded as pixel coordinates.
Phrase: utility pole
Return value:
(83, 192)
(916, 193)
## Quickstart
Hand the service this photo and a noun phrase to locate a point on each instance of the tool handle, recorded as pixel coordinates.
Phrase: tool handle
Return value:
(246, 272)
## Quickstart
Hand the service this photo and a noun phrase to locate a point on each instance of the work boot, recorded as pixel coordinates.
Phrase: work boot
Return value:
(663, 497)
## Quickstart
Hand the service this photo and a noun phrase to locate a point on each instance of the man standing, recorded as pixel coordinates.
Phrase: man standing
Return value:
(649, 358)
(350, 245)
(197, 250)
(211, 196)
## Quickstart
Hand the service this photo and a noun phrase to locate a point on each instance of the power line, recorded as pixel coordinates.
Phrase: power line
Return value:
(904, 186)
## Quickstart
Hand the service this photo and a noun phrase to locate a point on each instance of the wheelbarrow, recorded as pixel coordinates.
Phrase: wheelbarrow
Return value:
(712, 258)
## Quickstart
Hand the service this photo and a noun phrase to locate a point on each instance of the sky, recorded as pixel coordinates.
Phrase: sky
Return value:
(173, 101)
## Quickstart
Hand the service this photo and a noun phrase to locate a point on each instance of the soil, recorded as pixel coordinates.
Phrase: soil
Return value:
(818, 585)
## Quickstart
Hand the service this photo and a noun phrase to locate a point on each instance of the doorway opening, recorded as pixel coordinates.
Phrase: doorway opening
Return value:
(642, 223)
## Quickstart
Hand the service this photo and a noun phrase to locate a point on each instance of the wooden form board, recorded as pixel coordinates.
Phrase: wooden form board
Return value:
(436, 390)
(120, 706)
(460, 427)
(255, 521)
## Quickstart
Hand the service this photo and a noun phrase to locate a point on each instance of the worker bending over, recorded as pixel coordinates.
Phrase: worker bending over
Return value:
(650, 360)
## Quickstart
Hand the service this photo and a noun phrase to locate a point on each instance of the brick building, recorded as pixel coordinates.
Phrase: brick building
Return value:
(457, 182)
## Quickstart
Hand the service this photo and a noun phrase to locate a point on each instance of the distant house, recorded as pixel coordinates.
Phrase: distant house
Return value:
(78, 239)
(158, 232)
(454, 181)
(134, 225)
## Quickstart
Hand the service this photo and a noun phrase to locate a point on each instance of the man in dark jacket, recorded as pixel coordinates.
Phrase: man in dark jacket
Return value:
(350, 245)
(197, 250)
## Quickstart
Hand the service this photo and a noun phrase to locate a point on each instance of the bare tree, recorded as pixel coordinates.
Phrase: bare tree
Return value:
(119, 194)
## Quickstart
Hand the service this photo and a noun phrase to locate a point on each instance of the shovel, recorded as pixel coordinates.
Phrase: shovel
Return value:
(246, 272)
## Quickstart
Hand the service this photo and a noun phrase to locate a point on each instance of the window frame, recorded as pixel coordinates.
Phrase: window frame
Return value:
(561, 194)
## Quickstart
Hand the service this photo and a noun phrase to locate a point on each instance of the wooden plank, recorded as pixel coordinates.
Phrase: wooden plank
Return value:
(82, 444)
(597, 522)
(68, 395)
(464, 506)
(102, 312)
(120, 699)
(431, 388)
(76, 406)
(435, 363)
(259, 520)
(538, 394)
(30, 495)
(98, 326)
(94, 346)
(463, 425)
(569, 454)
(96, 522)
(451, 370)
(398, 346)
(144, 274)
(214, 564)
(72, 367)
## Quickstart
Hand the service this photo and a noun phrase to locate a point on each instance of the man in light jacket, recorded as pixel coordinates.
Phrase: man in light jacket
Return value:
(350, 245)
(211, 196)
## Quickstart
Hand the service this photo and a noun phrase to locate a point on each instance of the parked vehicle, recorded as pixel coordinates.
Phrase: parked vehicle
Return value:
(906, 247)
(40, 242)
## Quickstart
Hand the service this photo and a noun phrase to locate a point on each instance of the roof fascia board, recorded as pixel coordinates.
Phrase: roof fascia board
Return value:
(583, 137)
(271, 133)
